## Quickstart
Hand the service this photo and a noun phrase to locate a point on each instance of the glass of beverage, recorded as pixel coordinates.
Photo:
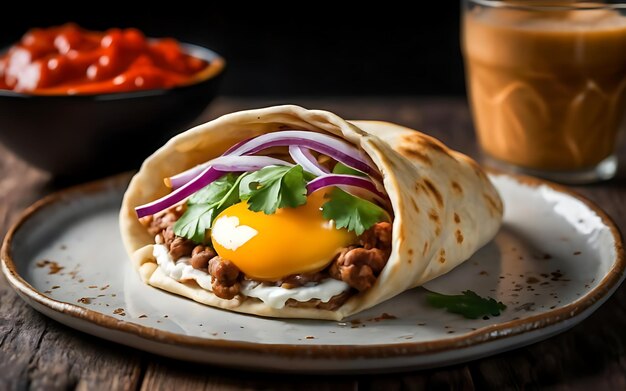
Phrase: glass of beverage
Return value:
(547, 84)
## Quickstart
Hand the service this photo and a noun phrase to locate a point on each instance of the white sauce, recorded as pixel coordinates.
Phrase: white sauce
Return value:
(181, 269)
(273, 296)
(276, 297)
(229, 234)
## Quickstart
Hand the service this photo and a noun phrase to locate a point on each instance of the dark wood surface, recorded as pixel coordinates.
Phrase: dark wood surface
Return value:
(39, 353)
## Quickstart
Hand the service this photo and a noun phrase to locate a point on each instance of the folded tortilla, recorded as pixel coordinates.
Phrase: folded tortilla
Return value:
(444, 205)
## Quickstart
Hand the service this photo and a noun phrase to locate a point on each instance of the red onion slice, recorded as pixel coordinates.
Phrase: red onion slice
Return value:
(222, 163)
(179, 180)
(207, 176)
(299, 143)
(353, 184)
(246, 163)
(237, 145)
(218, 167)
(334, 147)
(303, 157)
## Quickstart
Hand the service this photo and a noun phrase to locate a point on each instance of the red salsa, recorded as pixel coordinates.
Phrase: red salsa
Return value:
(70, 60)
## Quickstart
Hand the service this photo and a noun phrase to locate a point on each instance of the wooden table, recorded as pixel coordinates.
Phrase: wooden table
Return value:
(36, 352)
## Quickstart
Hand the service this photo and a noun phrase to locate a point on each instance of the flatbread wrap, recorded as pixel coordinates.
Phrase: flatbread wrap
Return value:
(296, 213)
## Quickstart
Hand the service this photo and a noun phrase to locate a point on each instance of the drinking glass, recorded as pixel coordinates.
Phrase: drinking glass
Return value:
(547, 84)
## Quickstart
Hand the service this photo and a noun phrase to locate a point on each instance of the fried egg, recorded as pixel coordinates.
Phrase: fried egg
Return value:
(270, 247)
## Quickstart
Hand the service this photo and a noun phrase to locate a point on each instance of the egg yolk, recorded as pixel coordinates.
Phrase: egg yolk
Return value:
(270, 247)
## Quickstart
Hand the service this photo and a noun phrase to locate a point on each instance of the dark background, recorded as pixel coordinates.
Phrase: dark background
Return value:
(307, 49)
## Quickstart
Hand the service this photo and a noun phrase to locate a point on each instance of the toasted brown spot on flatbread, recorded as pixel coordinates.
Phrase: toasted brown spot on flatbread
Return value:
(414, 204)
(433, 215)
(426, 246)
(436, 146)
(410, 251)
(477, 169)
(456, 187)
(419, 186)
(432, 189)
(413, 138)
(457, 218)
(437, 230)
(413, 153)
(459, 236)
(428, 142)
(442, 256)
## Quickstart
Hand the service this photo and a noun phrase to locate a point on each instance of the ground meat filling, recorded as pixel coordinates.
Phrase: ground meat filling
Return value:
(357, 265)
(201, 255)
(156, 224)
(224, 274)
(298, 280)
(224, 278)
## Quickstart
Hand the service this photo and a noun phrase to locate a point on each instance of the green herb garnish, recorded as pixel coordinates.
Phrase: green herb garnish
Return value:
(274, 187)
(469, 304)
(216, 190)
(353, 213)
(205, 205)
(269, 189)
(341, 168)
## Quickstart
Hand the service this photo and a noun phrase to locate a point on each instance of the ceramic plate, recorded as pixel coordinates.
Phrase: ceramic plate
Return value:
(557, 258)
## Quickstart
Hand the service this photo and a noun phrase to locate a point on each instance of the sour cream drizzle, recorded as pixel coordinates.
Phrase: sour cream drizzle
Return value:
(273, 296)
(276, 297)
(181, 269)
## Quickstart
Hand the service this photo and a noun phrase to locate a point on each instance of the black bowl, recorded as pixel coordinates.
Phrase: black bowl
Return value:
(86, 136)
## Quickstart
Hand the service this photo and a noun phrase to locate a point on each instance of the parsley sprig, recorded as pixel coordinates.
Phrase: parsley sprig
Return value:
(274, 187)
(353, 213)
(348, 211)
(468, 304)
(205, 205)
(341, 168)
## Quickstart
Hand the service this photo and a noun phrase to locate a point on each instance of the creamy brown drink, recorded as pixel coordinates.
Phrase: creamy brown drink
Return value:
(547, 84)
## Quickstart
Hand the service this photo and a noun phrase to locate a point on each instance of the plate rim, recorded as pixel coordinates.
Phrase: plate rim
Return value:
(482, 335)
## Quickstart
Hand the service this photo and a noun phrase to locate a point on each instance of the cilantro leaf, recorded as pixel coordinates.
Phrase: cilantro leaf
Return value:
(215, 191)
(231, 197)
(469, 304)
(274, 187)
(341, 168)
(205, 205)
(195, 221)
(353, 213)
